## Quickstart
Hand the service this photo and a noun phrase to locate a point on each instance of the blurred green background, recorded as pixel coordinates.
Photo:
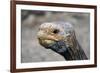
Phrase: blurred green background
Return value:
(32, 51)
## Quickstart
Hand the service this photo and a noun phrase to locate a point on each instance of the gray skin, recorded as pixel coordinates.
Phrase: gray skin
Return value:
(60, 37)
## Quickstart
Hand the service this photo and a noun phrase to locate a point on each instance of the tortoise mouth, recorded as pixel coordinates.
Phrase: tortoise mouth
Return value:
(46, 42)
(57, 46)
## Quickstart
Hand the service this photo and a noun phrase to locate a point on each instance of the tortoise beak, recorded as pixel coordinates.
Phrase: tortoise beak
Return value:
(44, 40)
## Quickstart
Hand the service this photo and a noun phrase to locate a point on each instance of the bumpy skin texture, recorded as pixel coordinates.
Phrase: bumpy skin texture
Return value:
(60, 37)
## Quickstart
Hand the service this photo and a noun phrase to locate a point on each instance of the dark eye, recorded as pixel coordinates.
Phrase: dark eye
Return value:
(56, 31)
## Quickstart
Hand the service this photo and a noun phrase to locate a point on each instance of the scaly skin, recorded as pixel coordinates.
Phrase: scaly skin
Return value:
(60, 37)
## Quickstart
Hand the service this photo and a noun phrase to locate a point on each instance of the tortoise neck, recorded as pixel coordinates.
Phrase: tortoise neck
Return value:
(77, 54)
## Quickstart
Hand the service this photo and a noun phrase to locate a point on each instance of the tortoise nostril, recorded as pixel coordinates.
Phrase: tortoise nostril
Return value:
(56, 31)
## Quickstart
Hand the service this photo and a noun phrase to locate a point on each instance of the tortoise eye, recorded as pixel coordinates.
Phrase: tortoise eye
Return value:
(55, 31)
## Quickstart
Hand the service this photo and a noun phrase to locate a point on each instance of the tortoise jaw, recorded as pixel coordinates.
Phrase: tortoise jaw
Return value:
(57, 46)
(46, 42)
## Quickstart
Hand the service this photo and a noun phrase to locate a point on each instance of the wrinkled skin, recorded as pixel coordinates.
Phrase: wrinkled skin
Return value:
(62, 40)
(61, 48)
(58, 47)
